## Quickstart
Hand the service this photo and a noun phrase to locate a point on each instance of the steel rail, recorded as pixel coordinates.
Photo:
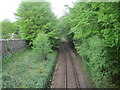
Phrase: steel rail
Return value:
(73, 65)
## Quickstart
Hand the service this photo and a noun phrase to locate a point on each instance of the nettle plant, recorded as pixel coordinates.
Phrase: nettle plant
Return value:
(41, 46)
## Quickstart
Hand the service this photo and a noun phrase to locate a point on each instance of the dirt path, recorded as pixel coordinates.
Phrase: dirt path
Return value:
(68, 72)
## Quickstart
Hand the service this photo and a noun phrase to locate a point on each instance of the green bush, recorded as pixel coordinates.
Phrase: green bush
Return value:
(95, 57)
(41, 46)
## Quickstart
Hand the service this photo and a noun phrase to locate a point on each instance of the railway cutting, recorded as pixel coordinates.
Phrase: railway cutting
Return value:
(68, 72)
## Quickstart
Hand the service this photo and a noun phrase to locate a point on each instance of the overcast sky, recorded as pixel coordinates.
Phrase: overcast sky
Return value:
(8, 7)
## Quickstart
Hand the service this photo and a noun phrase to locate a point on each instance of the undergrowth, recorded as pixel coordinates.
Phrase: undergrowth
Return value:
(96, 61)
(22, 70)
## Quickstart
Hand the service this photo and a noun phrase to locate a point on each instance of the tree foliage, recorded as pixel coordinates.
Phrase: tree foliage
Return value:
(7, 28)
(35, 17)
(95, 28)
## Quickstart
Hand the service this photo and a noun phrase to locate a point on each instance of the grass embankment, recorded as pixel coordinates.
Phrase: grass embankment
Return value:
(22, 70)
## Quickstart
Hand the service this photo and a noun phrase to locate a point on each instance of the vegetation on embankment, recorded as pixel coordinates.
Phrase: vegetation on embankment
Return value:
(33, 68)
(94, 28)
(23, 70)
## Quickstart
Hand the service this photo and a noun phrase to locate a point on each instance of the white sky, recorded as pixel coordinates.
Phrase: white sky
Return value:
(58, 6)
(8, 7)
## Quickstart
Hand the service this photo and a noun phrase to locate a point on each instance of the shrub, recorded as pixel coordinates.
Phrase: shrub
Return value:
(94, 53)
(41, 46)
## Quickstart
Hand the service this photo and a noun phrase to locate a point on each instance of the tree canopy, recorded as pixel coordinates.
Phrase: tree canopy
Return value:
(35, 17)
(7, 28)
(94, 28)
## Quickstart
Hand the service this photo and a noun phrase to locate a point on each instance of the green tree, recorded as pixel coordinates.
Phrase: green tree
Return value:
(7, 28)
(35, 17)
(95, 28)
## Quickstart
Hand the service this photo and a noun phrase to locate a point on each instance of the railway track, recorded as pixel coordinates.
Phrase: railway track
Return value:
(73, 66)
(65, 66)
(68, 73)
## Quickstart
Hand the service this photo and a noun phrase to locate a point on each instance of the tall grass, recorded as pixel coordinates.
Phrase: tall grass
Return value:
(22, 70)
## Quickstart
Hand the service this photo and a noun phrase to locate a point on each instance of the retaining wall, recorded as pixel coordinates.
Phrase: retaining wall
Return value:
(11, 45)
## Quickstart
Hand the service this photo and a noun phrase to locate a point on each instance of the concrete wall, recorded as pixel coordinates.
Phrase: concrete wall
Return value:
(11, 45)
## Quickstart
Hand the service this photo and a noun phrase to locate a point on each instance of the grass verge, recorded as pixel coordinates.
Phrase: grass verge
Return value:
(22, 70)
